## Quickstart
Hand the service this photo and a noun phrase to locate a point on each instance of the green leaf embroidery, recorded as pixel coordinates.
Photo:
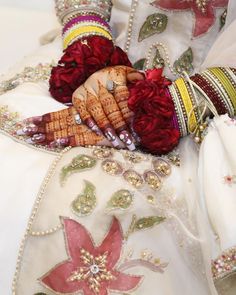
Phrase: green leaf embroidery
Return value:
(223, 19)
(143, 223)
(185, 62)
(148, 222)
(78, 164)
(139, 64)
(85, 203)
(155, 24)
(158, 60)
(121, 199)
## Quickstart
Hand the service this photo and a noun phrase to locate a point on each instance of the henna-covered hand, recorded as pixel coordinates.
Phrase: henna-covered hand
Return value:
(99, 116)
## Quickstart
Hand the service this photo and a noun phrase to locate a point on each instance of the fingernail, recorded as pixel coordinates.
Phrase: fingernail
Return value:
(131, 147)
(115, 142)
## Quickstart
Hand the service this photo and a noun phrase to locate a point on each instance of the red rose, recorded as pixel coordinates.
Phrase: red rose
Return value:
(145, 124)
(153, 113)
(102, 48)
(162, 141)
(119, 57)
(80, 60)
(140, 91)
(64, 81)
(155, 75)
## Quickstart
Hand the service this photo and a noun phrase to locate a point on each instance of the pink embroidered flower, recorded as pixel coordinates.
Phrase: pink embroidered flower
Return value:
(90, 269)
(230, 179)
(204, 11)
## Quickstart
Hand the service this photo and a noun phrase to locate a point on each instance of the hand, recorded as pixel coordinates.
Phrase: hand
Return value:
(100, 114)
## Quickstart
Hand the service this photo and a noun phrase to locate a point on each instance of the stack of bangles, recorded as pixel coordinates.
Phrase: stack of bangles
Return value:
(85, 26)
(216, 86)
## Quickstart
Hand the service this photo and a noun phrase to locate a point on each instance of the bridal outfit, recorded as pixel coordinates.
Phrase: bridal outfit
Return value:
(175, 235)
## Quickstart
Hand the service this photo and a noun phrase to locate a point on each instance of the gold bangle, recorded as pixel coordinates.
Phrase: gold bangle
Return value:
(188, 105)
(225, 81)
(93, 30)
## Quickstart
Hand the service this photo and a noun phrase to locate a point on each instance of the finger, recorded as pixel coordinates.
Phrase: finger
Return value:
(85, 116)
(115, 117)
(53, 116)
(134, 75)
(47, 138)
(94, 107)
(121, 93)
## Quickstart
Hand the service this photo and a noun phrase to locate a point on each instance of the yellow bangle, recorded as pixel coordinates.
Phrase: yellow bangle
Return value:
(188, 105)
(226, 83)
(93, 30)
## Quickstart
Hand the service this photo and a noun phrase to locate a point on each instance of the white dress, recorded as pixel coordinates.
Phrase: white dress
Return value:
(168, 237)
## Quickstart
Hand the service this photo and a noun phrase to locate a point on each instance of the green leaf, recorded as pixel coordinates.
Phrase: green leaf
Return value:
(185, 62)
(155, 24)
(139, 64)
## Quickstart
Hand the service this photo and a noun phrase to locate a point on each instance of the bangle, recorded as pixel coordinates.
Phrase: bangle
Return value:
(188, 104)
(211, 92)
(83, 31)
(220, 89)
(226, 83)
(178, 110)
(85, 18)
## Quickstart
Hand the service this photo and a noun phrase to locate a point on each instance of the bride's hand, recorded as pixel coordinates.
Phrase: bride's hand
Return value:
(100, 114)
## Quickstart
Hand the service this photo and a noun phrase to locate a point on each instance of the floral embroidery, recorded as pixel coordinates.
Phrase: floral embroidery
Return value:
(102, 153)
(90, 269)
(30, 74)
(133, 158)
(155, 24)
(225, 264)
(153, 181)
(133, 178)
(112, 167)
(85, 202)
(9, 121)
(161, 167)
(121, 199)
(78, 164)
(204, 11)
(184, 62)
(230, 179)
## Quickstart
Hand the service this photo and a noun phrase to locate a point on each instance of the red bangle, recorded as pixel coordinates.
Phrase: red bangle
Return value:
(214, 96)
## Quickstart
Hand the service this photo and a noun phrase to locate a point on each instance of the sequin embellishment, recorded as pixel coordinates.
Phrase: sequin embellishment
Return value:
(161, 167)
(101, 153)
(112, 167)
(121, 199)
(152, 180)
(85, 203)
(184, 62)
(133, 178)
(225, 264)
(78, 164)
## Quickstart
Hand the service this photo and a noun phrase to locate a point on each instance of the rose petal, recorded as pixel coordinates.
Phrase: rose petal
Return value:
(112, 244)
